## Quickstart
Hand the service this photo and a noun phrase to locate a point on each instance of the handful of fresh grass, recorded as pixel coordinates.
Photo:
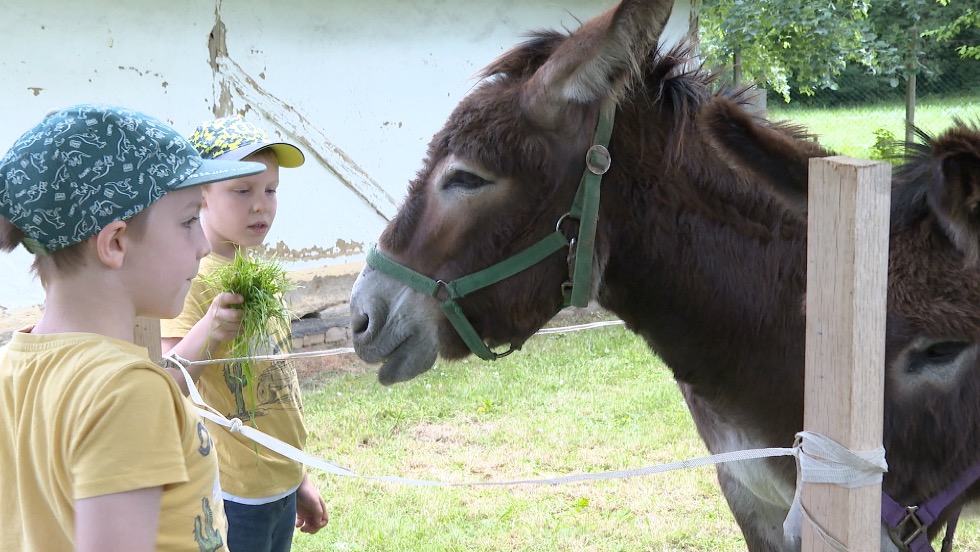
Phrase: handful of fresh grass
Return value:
(263, 284)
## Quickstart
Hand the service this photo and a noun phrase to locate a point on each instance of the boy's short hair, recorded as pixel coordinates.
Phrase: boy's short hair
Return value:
(63, 261)
(86, 166)
(233, 139)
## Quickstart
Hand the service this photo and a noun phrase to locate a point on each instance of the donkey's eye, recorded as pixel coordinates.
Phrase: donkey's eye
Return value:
(943, 351)
(464, 180)
(939, 353)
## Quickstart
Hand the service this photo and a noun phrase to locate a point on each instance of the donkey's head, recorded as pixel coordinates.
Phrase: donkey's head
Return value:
(496, 179)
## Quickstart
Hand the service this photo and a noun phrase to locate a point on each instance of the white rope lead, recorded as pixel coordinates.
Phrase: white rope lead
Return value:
(349, 350)
(263, 358)
(818, 458)
(235, 425)
(844, 468)
(579, 327)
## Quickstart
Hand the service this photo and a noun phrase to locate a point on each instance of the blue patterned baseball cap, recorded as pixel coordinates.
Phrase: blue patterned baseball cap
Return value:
(233, 138)
(88, 165)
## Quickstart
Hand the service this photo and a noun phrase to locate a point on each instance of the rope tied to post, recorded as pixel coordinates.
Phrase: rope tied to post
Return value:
(820, 459)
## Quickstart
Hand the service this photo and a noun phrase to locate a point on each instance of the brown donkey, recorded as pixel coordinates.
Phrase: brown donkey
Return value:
(697, 240)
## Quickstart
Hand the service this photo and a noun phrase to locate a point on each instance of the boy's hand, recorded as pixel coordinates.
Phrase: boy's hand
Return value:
(224, 320)
(311, 510)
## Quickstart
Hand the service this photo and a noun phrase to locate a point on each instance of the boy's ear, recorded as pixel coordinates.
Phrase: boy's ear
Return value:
(110, 245)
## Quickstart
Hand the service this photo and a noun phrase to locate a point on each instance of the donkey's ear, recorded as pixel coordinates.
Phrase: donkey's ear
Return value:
(595, 61)
(955, 191)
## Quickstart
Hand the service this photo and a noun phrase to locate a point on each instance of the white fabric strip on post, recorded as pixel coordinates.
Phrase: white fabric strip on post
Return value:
(820, 459)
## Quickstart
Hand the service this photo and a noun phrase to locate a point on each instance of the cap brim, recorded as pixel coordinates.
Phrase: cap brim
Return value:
(289, 155)
(212, 170)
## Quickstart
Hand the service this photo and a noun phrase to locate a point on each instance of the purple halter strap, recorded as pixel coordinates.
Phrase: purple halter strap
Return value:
(909, 525)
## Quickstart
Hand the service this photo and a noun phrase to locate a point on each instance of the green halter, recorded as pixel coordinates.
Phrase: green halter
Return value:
(576, 291)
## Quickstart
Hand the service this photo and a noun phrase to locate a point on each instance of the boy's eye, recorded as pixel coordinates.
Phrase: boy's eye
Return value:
(191, 221)
(272, 191)
(242, 191)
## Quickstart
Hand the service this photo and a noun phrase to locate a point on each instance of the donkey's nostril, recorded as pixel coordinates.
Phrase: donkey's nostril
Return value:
(359, 323)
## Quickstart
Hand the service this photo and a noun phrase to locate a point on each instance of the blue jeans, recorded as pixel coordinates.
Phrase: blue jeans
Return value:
(263, 528)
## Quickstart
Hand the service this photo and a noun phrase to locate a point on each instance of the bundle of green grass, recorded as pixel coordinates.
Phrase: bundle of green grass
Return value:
(263, 284)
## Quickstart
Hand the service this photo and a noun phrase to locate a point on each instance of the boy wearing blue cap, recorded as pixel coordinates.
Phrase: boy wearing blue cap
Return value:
(266, 495)
(100, 450)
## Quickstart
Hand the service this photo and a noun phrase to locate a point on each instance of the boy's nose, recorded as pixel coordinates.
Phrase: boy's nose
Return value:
(203, 247)
(204, 250)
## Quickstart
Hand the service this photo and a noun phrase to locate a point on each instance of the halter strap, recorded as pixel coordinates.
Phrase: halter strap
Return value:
(909, 525)
(461, 287)
(585, 209)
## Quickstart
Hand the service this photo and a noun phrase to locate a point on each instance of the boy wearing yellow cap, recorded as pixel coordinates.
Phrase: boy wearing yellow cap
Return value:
(266, 495)
(100, 450)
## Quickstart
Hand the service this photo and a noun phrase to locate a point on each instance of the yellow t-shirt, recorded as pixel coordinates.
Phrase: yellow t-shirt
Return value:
(248, 471)
(84, 415)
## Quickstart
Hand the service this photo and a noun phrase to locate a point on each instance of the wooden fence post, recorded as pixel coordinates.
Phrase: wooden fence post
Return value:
(847, 279)
(146, 333)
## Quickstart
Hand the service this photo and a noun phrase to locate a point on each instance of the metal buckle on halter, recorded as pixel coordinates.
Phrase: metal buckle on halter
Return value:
(597, 159)
(909, 521)
(567, 285)
(442, 292)
(562, 219)
(507, 352)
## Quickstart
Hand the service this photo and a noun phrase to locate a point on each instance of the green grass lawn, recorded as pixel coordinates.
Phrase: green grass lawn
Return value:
(590, 401)
(584, 402)
(851, 130)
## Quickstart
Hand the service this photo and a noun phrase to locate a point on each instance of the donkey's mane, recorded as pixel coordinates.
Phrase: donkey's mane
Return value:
(919, 164)
(673, 78)
(919, 160)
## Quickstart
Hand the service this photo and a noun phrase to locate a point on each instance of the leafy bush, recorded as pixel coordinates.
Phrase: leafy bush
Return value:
(886, 146)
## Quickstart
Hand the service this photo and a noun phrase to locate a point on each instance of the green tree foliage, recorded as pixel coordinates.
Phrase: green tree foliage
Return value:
(958, 31)
(802, 47)
(918, 36)
(780, 42)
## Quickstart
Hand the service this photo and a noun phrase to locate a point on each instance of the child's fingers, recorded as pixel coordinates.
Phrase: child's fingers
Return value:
(226, 319)
(229, 318)
(227, 298)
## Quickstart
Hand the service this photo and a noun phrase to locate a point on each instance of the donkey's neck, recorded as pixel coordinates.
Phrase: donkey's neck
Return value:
(712, 278)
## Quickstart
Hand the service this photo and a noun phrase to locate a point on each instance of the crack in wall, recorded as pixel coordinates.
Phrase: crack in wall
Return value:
(217, 48)
(231, 81)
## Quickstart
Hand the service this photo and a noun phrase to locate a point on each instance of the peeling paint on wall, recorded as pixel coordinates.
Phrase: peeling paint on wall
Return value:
(283, 252)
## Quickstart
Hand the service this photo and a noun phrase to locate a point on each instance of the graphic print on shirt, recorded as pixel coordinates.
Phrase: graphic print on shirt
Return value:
(208, 538)
(276, 384)
(204, 436)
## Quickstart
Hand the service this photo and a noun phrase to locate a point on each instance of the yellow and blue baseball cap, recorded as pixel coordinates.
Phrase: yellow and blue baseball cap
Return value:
(88, 165)
(233, 138)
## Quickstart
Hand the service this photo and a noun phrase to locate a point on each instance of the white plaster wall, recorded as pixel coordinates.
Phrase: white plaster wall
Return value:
(365, 82)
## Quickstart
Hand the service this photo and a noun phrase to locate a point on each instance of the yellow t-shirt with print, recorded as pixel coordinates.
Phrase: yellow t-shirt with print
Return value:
(85, 415)
(248, 470)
